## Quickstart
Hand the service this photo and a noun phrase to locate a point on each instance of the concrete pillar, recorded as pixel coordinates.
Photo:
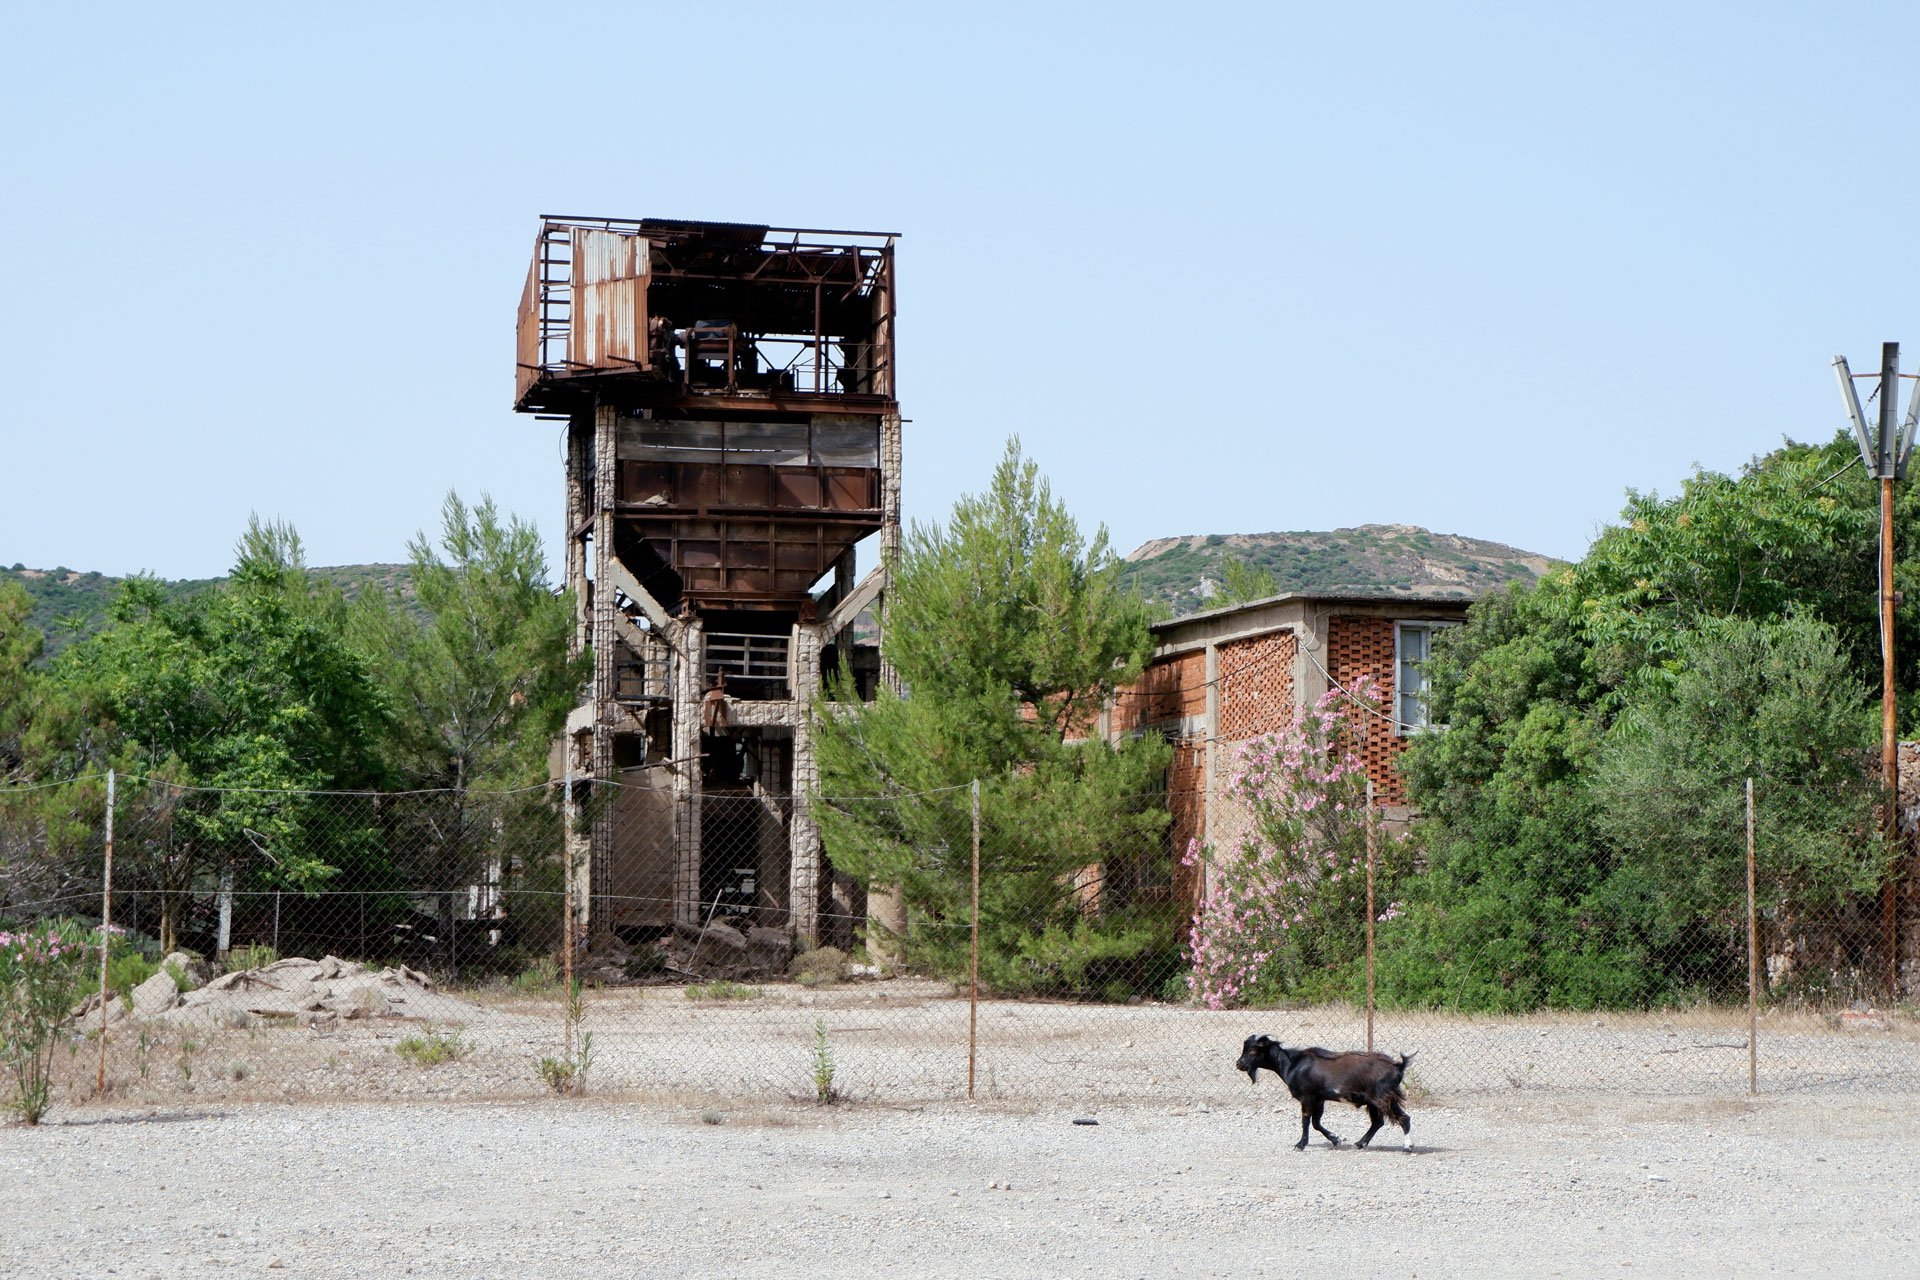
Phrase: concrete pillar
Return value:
(1210, 761)
(1310, 659)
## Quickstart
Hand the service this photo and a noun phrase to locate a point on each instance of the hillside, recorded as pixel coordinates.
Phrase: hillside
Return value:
(1184, 573)
(69, 605)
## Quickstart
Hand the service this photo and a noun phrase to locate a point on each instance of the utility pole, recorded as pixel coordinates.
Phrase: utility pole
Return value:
(1885, 452)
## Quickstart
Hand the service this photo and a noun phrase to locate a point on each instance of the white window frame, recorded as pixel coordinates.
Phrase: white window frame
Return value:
(1404, 724)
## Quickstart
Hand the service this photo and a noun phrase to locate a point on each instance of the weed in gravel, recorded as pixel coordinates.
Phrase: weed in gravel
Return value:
(238, 1069)
(187, 1048)
(823, 1089)
(540, 977)
(711, 1117)
(432, 1048)
(568, 1075)
(723, 991)
(144, 1052)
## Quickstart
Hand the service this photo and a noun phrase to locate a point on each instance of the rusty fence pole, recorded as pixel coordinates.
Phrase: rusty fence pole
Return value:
(566, 907)
(106, 937)
(973, 960)
(1889, 736)
(1753, 961)
(1370, 855)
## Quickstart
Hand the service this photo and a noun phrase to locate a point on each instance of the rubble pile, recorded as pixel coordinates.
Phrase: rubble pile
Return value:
(310, 992)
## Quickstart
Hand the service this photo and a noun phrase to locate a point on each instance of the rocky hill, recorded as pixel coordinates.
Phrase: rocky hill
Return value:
(69, 604)
(1185, 574)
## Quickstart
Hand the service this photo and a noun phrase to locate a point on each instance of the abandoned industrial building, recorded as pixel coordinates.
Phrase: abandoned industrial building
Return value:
(732, 432)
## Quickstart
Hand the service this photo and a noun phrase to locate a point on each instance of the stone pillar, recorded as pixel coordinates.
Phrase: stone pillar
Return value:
(890, 451)
(689, 687)
(607, 712)
(886, 909)
(579, 464)
(807, 857)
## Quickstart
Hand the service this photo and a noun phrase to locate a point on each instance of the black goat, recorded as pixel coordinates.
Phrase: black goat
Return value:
(1316, 1077)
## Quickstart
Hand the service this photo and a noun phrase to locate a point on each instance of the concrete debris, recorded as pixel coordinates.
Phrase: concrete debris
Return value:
(318, 992)
(155, 996)
(189, 966)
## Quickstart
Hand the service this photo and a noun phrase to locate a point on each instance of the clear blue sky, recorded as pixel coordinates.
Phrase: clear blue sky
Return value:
(1223, 268)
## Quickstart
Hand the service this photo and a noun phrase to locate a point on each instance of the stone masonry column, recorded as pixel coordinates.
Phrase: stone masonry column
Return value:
(599, 924)
(689, 687)
(886, 909)
(806, 855)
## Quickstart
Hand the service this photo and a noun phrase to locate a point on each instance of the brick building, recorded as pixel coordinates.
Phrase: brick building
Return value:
(1220, 678)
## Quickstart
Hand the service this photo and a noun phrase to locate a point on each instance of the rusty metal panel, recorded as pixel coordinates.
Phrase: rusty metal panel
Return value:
(526, 370)
(850, 490)
(609, 299)
(748, 486)
(650, 483)
(796, 488)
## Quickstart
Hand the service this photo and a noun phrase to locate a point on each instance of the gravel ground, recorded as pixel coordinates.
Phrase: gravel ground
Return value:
(905, 1041)
(1523, 1183)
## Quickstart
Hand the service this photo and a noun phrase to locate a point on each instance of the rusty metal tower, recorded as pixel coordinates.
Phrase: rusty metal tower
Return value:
(732, 431)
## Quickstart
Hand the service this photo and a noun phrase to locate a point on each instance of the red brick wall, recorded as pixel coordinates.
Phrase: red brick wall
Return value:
(1166, 692)
(1359, 647)
(1186, 776)
(1256, 685)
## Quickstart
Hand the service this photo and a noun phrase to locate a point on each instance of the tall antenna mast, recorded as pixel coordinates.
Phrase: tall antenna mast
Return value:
(1884, 450)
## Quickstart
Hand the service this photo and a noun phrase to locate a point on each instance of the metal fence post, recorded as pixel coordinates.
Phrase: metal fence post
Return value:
(1753, 961)
(973, 963)
(566, 933)
(1370, 854)
(106, 938)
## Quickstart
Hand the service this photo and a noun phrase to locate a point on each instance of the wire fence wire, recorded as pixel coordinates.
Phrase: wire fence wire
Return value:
(298, 945)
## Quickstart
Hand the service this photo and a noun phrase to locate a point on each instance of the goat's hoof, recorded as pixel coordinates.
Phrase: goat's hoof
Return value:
(1300, 1145)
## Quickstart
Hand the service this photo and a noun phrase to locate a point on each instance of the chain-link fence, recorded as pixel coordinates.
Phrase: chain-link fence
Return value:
(274, 944)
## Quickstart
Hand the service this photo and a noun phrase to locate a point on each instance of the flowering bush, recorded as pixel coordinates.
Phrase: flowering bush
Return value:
(1285, 908)
(41, 972)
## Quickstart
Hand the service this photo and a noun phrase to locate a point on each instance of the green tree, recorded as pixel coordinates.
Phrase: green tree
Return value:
(1242, 582)
(476, 668)
(228, 712)
(20, 645)
(1009, 631)
(1537, 890)
(1774, 701)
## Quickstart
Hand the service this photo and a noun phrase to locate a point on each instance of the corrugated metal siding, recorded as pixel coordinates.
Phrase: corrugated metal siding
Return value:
(609, 299)
(527, 331)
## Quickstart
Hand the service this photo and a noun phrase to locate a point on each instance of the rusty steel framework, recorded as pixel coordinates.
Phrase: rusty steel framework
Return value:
(732, 433)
